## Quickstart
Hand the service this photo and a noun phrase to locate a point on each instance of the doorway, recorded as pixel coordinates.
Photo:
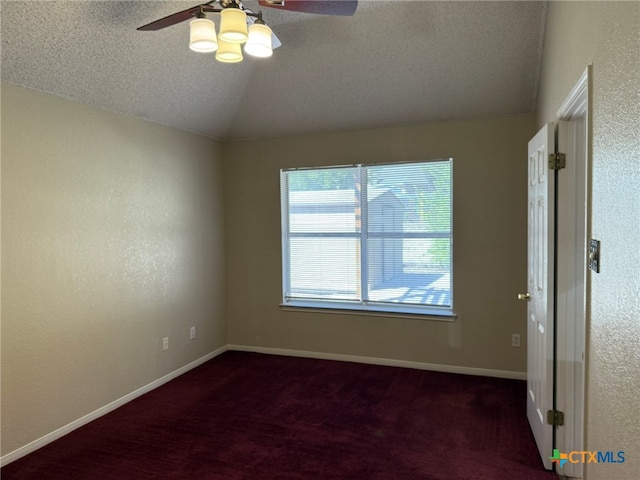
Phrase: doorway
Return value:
(573, 137)
(559, 212)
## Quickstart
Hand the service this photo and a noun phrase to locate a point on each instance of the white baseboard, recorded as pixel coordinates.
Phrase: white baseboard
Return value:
(482, 372)
(60, 432)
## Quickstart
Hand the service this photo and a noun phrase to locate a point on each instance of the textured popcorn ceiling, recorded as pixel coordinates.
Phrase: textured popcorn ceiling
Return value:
(392, 63)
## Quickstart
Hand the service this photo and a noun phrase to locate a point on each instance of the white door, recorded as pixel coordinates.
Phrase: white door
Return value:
(540, 291)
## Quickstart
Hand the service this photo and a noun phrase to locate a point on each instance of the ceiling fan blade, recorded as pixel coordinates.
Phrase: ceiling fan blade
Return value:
(324, 7)
(173, 18)
(275, 41)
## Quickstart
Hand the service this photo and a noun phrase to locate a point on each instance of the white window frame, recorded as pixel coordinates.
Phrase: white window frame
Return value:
(358, 307)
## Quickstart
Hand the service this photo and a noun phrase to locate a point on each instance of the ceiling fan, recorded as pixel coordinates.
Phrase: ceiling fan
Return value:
(240, 25)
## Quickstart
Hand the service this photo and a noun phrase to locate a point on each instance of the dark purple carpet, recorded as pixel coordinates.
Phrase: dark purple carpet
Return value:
(252, 416)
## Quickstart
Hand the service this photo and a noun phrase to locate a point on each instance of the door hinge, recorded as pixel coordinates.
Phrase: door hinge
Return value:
(557, 161)
(555, 417)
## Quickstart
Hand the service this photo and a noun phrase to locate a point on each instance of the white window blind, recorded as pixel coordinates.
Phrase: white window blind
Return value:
(361, 236)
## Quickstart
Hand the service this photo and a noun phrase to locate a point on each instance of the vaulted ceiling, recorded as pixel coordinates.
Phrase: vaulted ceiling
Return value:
(392, 63)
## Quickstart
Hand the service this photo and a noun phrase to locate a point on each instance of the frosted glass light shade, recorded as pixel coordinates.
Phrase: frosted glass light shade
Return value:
(259, 42)
(233, 25)
(202, 37)
(228, 52)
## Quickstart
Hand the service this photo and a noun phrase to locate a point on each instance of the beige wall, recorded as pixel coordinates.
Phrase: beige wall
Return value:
(111, 239)
(490, 226)
(607, 34)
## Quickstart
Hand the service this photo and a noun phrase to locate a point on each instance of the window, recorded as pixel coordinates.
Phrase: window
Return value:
(375, 237)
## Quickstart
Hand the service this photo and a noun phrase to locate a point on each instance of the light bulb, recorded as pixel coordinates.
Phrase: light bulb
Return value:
(259, 42)
(202, 36)
(228, 52)
(233, 25)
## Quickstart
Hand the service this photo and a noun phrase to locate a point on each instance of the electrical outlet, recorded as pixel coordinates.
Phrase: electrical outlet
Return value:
(165, 343)
(515, 340)
(192, 333)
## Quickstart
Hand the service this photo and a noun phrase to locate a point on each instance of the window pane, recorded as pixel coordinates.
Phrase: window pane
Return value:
(399, 214)
(410, 197)
(410, 270)
(323, 200)
(327, 268)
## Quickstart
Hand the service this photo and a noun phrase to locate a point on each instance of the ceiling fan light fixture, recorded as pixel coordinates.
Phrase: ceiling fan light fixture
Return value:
(259, 42)
(233, 25)
(202, 37)
(228, 52)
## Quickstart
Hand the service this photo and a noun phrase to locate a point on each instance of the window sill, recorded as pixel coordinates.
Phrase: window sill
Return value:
(415, 313)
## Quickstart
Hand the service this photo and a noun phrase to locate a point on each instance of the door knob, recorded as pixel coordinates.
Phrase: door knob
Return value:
(524, 296)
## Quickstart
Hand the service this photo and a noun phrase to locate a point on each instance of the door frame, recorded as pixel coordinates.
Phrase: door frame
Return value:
(574, 138)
